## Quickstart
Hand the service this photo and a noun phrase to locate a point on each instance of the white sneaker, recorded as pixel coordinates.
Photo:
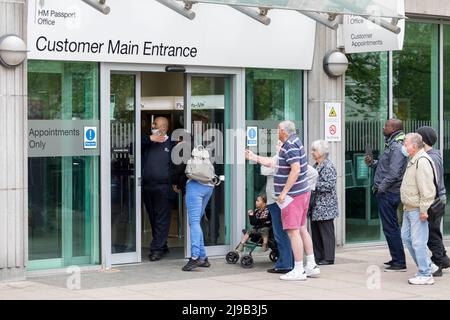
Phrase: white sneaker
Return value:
(294, 275)
(421, 280)
(313, 272)
(434, 268)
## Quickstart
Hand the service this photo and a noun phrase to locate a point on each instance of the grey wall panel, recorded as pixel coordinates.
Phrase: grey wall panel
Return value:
(439, 8)
(13, 161)
(321, 89)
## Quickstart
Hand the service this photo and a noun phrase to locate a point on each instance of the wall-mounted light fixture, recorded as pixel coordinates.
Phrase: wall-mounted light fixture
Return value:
(260, 16)
(335, 63)
(183, 10)
(13, 50)
(99, 5)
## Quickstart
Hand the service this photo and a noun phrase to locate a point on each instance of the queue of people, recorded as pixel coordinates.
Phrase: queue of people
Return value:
(409, 171)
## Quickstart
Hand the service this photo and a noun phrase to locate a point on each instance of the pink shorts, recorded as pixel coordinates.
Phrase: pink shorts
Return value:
(294, 215)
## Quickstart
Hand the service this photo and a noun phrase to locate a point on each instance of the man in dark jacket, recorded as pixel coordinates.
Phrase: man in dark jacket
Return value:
(435, 244)
(389, 170)
(156, 185)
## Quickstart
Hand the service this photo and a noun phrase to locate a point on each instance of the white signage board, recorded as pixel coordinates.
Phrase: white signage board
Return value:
(252, 136)
(333, 125)
(362, 35)
(145, 31)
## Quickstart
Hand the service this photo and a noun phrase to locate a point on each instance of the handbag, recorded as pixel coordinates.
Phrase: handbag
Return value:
(200, 168)
(437, 208)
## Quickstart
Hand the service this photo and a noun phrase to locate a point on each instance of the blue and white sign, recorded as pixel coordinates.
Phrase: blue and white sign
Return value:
(90, 138)
(252, 136)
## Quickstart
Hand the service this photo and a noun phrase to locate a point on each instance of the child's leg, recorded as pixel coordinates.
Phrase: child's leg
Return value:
(245, 238)
(240, 246)
(265, 238)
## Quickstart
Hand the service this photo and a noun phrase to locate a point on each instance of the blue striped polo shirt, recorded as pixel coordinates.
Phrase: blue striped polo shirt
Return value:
(291, 151)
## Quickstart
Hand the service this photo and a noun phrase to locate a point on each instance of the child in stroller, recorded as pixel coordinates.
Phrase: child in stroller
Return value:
(260, 235)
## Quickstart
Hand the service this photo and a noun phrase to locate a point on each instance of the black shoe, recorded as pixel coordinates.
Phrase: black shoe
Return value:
(204, 263)
(191, 265)
(389, 263)
(325, 262)
(155, 256)
(395, 268)
(445, 264)
(438, 273)
(277, 270)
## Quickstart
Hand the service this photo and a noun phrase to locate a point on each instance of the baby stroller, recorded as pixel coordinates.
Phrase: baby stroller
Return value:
(254, 241)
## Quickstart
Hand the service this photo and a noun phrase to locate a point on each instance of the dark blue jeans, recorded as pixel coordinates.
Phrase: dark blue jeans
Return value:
(387, 204)
(285, 256)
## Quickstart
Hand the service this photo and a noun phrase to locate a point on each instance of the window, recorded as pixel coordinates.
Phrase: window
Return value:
(63, 178)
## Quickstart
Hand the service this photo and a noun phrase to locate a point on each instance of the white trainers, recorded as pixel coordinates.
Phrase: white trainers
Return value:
(294, 275)
(313, 272)
(421, 280)
(434, 268)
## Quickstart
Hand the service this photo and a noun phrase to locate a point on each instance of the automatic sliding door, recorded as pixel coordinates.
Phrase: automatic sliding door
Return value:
(125, 190)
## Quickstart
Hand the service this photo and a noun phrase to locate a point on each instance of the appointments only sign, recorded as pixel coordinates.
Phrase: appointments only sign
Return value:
(62, 138)
(333, 121)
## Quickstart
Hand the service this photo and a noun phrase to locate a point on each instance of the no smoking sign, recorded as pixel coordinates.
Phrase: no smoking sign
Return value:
(332, 121)
(333, 130)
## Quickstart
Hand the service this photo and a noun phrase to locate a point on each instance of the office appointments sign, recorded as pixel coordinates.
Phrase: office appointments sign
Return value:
(362, 35)
(63, 138)
(143, 31)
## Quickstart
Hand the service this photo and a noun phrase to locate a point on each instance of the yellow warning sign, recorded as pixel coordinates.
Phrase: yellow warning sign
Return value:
(332, 112)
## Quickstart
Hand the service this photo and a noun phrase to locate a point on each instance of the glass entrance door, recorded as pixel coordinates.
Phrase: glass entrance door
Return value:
(208, 101)
(124, 168)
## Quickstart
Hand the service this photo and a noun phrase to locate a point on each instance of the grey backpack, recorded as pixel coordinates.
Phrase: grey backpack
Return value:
(200, 168)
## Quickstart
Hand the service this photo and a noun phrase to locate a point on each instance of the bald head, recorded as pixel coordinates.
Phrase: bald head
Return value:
(162, 124)
(391, 126)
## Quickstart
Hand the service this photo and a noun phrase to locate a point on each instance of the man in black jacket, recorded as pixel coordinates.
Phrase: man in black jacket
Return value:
(389, 170)
(435, 244)
(156, 185)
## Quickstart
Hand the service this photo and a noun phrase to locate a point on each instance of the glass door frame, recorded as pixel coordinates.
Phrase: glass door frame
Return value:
(235, 147)
(215, 250)
(108, 258)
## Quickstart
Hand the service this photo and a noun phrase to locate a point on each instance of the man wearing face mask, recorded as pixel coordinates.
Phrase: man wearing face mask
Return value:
(389, 170)
(156, 150)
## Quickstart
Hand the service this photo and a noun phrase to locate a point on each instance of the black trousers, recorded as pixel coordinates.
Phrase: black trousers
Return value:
(387, 205)
(435, 244)
(324, 241)
(156, 201)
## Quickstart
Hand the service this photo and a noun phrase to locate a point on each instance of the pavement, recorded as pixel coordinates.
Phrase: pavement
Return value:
(356, 275)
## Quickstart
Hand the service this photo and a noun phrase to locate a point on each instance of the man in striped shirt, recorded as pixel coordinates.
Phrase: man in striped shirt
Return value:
(290, 181)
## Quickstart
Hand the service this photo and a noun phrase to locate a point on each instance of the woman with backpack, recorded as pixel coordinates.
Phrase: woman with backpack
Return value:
(190, 178)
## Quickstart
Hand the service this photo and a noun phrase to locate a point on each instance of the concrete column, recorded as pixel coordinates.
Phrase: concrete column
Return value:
(321, 89)
(13, 151)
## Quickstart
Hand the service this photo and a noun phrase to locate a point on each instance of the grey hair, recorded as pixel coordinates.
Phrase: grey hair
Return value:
(321, 146)
(416, 139)
(288, 126)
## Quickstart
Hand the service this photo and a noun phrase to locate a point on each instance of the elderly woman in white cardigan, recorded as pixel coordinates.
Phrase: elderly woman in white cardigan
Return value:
(325, 207)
